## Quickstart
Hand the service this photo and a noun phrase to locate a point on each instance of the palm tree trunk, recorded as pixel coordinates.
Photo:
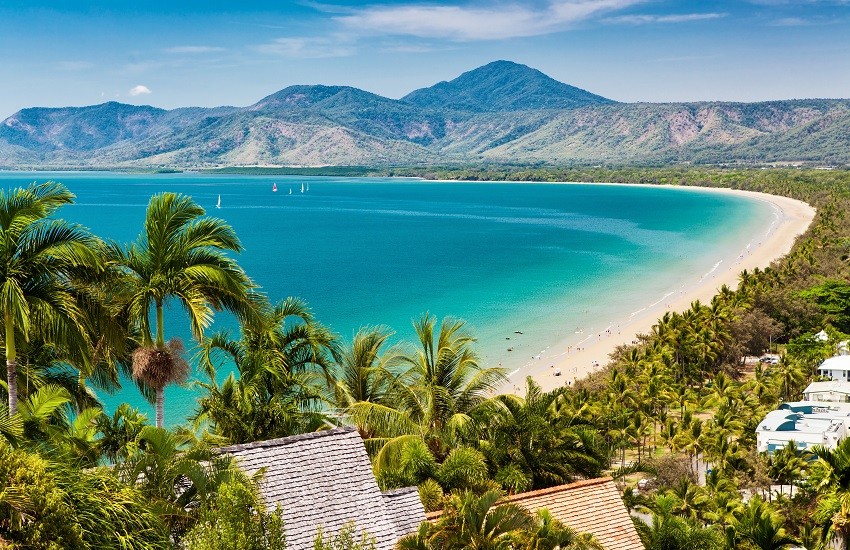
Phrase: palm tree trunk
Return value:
(160, 326)
(160, 407)
(11, 365)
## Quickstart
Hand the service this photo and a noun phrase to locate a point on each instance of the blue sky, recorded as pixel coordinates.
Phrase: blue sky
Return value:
(181, 53)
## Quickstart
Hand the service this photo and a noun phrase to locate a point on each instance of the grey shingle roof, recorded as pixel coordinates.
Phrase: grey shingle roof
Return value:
(405, 509)
(325, 478)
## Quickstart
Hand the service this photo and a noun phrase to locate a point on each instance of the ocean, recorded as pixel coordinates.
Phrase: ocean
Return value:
(547, 260)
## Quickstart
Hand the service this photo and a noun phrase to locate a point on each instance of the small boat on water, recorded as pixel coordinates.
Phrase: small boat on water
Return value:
(290, 190)
(218, 204)
(274, 188)
(308, 187)
(302, 187)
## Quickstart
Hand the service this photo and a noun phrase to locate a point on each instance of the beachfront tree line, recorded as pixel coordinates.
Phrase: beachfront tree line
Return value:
(80, 311)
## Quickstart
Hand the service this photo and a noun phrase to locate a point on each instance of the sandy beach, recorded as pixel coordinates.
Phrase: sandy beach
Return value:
(576, 360)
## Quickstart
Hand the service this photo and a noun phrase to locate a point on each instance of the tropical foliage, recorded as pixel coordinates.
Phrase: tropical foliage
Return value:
(679, 407)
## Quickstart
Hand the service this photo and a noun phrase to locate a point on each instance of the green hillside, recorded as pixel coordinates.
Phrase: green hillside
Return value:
(502, 113)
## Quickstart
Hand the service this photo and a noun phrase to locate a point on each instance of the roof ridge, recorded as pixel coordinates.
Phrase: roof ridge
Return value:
(286, 440)
(430, 516)
(559, 488)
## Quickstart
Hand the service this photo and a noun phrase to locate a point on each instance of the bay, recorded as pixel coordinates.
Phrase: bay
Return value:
(543, 259)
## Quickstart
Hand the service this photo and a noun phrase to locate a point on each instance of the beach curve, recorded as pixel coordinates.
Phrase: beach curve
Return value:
(575, 361)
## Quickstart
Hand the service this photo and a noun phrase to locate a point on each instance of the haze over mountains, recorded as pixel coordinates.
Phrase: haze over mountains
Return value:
(502, 112)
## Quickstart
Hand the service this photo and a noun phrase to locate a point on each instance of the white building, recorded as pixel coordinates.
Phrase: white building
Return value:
(836, 368)
(828, 392)
(807, 423)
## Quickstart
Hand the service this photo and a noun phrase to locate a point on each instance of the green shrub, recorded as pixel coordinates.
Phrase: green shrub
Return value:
(237, 519)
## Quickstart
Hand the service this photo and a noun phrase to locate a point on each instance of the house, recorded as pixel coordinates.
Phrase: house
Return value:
(829, 392)
(590, 506)
(325, 479)
(807, 423)
(836, 368)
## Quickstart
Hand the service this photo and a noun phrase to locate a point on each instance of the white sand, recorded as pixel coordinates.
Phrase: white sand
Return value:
(793, 217)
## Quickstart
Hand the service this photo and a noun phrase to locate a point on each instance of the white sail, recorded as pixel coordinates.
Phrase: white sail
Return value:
(302, 187)
(218, 204)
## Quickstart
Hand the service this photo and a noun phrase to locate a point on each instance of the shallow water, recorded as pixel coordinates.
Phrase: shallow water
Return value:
(543, 259)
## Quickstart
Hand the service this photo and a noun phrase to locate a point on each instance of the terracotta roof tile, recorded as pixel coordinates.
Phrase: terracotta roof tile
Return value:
(589, 506)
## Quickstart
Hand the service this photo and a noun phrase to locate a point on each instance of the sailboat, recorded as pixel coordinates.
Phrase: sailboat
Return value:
(218, 204)
(302, 187)
(274, 188)
(290, 190)
(308, 187)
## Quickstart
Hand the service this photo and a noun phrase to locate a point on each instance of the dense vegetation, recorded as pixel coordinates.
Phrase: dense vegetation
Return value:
(78, 311)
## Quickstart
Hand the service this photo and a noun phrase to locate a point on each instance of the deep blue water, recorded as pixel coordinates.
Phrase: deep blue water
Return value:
(540, 258)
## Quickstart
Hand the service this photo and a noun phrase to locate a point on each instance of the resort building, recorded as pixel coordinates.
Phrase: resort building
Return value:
(807, 423)
(325, 479)
(590, 506)
(831, 391)
(836, 368)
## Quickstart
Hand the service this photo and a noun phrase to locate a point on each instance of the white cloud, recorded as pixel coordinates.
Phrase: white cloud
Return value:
(308, 47)
(672, 18)
(465, 23)
(139, 90)
(195, 49)
(791, 22)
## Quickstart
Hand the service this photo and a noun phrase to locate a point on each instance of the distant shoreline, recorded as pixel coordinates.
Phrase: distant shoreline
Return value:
(794, 217)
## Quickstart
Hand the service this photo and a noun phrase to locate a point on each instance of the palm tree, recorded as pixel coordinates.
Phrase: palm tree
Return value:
(668, 532)
(119, 432)
(180, 254)
(550, 534)
(283, 366)
(364, 369)
(830, 478)
(435, 399)
(177, 478)
(40, 258)
(470, 521)
(531, 436)
(762, 527)
(789, 376)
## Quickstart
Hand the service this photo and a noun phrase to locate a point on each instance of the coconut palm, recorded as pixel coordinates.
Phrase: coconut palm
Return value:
(364, 369)
(435, 399)
(177, 477)
(530, 436)
(282, 360)
(668, 532)
(761, 526)
(830, 478)
(180, 254)
(40, 259)
(550, 534)
(788, 376)
(478, 522)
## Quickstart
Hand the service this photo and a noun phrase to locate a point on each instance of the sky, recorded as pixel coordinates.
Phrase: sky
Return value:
(181, 53)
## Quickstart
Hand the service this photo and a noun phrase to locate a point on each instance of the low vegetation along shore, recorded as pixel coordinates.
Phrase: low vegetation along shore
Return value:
(678, 408)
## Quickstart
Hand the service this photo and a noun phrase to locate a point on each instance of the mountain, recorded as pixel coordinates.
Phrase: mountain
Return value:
(502, 112)
(502, 86)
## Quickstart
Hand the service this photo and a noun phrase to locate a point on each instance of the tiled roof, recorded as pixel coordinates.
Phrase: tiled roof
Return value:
(325, 478)
(591, 506)
(405, 509)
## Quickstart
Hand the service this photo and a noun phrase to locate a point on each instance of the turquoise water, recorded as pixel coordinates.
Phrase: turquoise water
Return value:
(539, 258)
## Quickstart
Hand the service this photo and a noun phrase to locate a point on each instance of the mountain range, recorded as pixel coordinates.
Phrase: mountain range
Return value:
(502, 112)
